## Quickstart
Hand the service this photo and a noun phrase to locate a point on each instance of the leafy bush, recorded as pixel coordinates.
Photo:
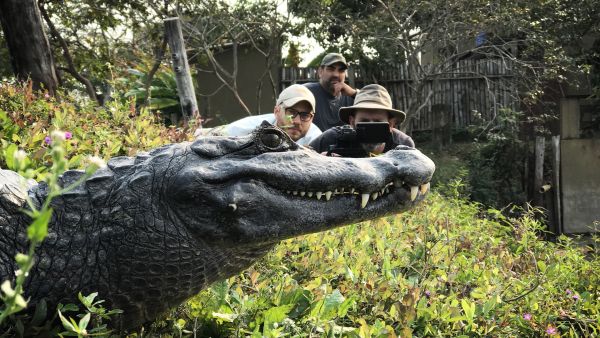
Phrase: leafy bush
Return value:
(27, 118)
(449, 268)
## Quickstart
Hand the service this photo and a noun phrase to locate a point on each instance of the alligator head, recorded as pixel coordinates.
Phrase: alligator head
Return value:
(265, 188)
(150, 231)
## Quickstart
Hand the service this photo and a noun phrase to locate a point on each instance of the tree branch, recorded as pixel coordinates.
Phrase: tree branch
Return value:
(91, 90)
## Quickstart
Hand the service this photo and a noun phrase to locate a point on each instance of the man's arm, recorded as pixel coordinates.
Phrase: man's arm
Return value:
(322, 142)
(345, 89)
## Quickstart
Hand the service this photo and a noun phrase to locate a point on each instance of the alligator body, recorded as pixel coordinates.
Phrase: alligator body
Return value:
(149, 231)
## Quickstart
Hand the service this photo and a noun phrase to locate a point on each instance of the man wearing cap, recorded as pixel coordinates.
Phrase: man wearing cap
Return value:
(293, 112)
(331, 92)
(372, 104)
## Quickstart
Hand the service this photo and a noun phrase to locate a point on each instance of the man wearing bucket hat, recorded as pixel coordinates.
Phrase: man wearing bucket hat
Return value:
(293, 112)
(331, 92)
(372, 104)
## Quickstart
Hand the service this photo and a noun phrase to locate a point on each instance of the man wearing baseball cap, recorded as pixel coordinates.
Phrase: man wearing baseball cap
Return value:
(293, 112)
(372, 104)
(331, 92)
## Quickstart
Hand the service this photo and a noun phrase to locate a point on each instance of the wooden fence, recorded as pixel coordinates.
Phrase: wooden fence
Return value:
(470, 92)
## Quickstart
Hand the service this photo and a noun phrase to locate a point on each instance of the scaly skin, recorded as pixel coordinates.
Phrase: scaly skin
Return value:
(148, 232)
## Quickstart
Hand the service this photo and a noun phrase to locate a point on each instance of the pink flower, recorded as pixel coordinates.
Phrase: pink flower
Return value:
(551, 330)
(47, 140)
(428, 293)
(68, 135)
(576, 296)
(569, 291)
(46, 95)
(527, 316)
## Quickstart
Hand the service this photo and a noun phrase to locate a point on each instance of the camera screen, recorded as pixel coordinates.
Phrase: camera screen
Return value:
(372, 132)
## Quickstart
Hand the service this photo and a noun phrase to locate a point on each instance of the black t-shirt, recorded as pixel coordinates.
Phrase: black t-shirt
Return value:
(330, 138)
(327, 106)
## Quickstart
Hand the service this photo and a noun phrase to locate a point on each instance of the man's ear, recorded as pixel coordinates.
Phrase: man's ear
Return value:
(320, 71)
(276, 109)
(392, 122)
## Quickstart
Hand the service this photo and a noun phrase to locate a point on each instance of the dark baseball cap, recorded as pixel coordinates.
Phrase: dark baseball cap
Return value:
(333, 58)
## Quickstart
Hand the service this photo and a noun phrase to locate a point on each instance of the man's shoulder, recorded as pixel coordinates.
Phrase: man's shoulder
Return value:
(313, 133)
(400, 138)
(314, 87)
(329, 134)
(247, 124)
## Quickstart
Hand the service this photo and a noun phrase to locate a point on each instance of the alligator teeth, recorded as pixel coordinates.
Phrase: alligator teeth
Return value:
(352, 190)
(364, 200)
(319, 195)
(302, 193)
(424, 188)
(288, 192)
(233, 206)
(374, 196)
(341, 191)
(413, 193)
(310, 193)
(295, 192)
(328, 195)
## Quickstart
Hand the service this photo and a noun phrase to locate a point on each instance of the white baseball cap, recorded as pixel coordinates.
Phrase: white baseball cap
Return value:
(294, 94)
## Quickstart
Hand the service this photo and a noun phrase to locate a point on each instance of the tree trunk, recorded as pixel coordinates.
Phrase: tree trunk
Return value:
(29, 49)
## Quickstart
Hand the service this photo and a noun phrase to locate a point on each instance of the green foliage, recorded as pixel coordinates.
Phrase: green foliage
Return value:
(95, 315)
(293, 58)
(12, 298)
(28, 118)
(161, 94)
(449, 268)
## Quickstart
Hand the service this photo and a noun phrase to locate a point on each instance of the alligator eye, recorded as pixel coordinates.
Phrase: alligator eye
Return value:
(271, 139)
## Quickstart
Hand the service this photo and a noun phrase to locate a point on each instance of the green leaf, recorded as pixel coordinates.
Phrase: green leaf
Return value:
(38, 230)
(542, 266)
(9, 156)
(277, 313)
(469, 309)
(327, 308)
(227, 317)
(345, 306)
(66, 324)
(83, 322)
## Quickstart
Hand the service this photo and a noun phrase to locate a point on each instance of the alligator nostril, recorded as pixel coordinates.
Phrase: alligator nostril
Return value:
(396, 164)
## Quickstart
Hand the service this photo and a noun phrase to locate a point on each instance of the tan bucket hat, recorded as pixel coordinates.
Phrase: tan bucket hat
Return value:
(372, 96)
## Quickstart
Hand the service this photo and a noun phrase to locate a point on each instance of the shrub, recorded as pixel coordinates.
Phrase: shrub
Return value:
(27, 118)
(440, 270)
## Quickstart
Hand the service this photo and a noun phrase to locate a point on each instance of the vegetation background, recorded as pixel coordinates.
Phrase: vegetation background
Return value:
(473, 260)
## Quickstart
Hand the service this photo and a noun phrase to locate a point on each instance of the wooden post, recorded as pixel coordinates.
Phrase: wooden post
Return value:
(185, 87)
(556, 183)
(540, 143)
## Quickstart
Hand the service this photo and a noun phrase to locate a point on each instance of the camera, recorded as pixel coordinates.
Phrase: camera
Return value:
(349, 140)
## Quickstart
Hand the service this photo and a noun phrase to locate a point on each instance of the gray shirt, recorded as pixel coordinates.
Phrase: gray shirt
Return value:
(327, 106)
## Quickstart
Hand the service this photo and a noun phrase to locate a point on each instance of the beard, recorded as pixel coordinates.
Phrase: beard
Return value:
(373, 147)
(331, 86)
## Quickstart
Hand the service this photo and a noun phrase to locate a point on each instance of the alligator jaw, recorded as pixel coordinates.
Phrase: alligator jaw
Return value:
(363, 198)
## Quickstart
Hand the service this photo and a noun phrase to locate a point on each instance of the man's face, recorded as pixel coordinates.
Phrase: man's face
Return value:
(295, 127)
(371, 115)
(329, 76)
